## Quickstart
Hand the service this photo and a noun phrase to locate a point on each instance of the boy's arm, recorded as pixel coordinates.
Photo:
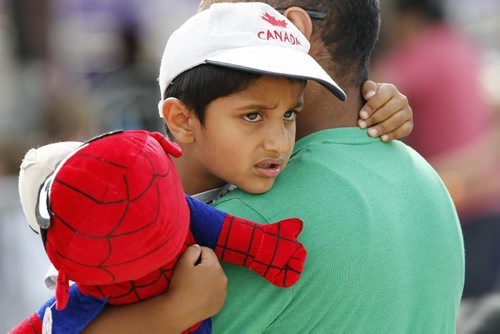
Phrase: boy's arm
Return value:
(196, 292)
(386, 113)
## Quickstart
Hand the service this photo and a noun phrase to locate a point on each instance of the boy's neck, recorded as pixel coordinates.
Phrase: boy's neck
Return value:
(193, 180)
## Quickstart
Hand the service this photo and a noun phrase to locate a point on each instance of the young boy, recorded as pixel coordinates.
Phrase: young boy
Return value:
(232, 80)
(231, 103)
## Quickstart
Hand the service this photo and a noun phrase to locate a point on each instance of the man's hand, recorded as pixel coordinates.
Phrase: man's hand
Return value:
(386, 114)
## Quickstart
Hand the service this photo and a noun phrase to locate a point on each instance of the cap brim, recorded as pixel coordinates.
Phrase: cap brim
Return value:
(271, 60)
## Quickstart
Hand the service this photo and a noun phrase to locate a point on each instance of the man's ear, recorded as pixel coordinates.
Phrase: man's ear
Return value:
(179, 119)
(301, 20)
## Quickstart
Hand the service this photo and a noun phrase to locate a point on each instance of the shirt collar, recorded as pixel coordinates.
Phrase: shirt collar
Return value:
(210, 196)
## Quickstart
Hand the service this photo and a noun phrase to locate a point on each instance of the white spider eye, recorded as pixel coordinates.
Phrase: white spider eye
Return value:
(42, 206)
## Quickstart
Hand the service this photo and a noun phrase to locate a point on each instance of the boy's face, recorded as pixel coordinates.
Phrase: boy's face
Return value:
(247, 137)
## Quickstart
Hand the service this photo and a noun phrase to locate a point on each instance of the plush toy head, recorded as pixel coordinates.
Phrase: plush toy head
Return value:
(113, 210)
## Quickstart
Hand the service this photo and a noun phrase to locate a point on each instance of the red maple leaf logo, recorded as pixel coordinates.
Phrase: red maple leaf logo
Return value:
(271, 19)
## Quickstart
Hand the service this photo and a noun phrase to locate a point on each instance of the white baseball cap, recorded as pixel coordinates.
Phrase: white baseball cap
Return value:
(245, 36)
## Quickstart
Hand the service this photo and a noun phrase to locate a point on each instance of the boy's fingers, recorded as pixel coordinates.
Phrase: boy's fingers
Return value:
(389, 125)
(400, 132)
(190, 256)
(208, 256)
(384, 94)
(369, 89)
(385, 112)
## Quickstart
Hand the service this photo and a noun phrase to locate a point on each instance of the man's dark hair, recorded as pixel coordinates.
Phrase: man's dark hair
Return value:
(349, 32)
(199, 86)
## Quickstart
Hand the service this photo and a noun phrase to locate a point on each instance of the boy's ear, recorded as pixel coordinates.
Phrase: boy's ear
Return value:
(301, 20)
(179, 119)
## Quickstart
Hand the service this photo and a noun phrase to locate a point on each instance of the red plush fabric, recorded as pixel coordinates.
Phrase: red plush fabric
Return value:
(127, 292)
(117, 210)
(31, 325)
(270, 250)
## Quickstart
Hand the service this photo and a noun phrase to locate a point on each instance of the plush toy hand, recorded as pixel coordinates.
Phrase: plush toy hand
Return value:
(270, 250)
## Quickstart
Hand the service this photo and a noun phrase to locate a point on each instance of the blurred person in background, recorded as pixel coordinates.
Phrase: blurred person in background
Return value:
(121, 83)
(24, 55)
(37, 105)
(27, 51)
(438, 68)
(77, 68)
(115, 58)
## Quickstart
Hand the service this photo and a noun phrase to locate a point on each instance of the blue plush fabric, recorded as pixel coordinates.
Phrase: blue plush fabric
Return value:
(206, 222)
(80, 312)
(205, 327)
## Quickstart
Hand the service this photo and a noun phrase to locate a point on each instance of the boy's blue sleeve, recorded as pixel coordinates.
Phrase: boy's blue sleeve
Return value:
(78, 314)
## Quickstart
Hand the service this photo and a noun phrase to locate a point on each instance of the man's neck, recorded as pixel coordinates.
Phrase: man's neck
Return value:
(325, 111)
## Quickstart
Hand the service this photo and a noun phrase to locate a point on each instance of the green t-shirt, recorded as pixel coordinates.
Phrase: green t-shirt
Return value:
(385, 250)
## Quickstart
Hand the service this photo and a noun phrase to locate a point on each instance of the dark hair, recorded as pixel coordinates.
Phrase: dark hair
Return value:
(202, 84)
(349, 32)
(433, 10)
(199, 86)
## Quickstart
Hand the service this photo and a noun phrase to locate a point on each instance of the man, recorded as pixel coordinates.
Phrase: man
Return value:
(385, 252)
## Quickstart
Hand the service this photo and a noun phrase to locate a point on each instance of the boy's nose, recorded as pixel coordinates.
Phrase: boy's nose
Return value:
(278, 139)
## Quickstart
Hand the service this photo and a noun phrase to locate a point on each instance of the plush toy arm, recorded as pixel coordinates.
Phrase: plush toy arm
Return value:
(270, 250)
(78, 314)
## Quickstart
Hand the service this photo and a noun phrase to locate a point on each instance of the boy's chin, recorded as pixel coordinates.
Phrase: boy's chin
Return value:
(257, 189)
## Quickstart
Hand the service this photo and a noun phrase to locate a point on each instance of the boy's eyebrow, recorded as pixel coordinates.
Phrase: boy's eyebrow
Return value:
(299, 105)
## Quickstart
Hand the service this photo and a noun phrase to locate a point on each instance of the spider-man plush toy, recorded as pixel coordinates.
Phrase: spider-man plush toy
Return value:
(114, 219)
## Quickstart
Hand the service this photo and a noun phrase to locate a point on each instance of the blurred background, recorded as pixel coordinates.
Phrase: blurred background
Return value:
(445, 56)
(71, 69)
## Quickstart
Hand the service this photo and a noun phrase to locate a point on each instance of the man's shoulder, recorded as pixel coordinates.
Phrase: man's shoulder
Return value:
(242, 204)
(341, 174)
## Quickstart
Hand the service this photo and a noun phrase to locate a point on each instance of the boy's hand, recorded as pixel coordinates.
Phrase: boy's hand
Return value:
(199, 283)
(196, 291)
(386, 114)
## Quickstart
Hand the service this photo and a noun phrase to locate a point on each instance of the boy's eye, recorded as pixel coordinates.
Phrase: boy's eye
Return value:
(252, 117)
(290, 115)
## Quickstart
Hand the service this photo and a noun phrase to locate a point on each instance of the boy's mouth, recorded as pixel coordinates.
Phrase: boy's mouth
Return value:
(269, 167)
